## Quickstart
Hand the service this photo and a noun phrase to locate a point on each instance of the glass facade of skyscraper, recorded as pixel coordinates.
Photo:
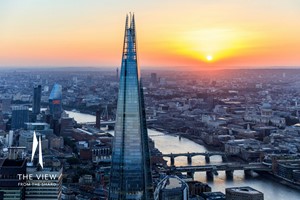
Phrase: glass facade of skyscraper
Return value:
(20, 115)
(37, 95)
(55, 101)
(130, 173)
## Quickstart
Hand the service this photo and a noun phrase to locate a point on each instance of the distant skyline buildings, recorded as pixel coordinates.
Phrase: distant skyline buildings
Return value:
(219, 34)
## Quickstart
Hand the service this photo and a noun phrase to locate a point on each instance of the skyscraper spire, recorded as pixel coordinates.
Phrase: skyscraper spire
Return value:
(130, 172)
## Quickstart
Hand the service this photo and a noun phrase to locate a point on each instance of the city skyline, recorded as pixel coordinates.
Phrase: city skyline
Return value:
(198, 35)
(250, 114)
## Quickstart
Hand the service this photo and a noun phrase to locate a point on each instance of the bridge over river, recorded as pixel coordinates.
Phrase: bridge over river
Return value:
(111, 122)
(229, 168)
(190, 155)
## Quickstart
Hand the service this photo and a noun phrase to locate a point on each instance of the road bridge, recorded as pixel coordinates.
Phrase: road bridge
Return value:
(112, 122)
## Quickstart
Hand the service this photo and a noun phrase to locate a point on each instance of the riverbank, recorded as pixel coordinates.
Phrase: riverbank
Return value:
(200, 142)
(280, 180)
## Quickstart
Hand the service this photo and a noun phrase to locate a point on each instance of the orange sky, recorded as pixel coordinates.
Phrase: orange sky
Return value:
(171, 33)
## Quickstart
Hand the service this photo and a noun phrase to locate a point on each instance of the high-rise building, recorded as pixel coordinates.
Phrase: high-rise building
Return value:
(10, 138)
(131, 176)
(245, 193)
(10, 187)
(98, 119)
(153, 78)
(20, 115)
(55, 103)
(37, 95)
(117, 74)
(171, 187)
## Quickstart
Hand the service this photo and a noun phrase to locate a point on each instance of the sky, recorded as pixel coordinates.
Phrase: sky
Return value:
(175, 34)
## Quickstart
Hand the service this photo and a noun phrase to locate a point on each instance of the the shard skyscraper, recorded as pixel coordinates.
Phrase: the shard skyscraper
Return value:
(131, 170)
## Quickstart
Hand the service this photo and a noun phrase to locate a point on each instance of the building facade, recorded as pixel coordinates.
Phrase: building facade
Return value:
(245, 193)
(55, 103)
(20, 115)
(131, 176)
(37, 95)
(171, 187)
(9, 180)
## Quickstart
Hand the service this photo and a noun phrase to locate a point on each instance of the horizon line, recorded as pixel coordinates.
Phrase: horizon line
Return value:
(173, 68)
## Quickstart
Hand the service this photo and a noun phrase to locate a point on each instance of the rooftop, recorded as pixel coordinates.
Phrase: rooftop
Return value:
(172, 182)
(246, 190)
(11, 163)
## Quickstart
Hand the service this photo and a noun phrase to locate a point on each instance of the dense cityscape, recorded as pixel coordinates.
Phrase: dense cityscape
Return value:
(251, 116)
(133, 133)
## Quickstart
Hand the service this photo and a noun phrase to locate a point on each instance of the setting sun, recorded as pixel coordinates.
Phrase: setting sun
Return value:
(209, 57)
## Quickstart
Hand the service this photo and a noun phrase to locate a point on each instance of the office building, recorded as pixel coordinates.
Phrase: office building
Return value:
(10, 189)
(213, 196)
(55, 103)
(245, 193)
(98, 119)
(117, 74)
(171, 187)
(131, 176)
(20, 115)
(37, 95)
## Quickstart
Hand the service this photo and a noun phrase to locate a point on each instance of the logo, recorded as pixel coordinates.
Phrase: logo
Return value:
(35, 145)
(38, 177)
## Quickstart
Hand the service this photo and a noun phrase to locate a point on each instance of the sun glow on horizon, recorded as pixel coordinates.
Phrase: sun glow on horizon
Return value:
(226, 30)
(219, 45)
(209, 57)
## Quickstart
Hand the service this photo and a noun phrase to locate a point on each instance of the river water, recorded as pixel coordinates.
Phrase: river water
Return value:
(172, 144)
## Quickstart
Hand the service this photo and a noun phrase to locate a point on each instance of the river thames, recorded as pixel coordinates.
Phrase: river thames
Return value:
(172, 144)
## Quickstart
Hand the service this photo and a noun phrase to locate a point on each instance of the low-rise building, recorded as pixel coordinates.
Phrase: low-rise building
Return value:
(243, 193)
(213, 196)
(171, 187)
